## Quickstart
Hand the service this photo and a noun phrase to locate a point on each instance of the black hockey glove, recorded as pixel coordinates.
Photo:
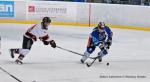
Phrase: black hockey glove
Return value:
(45, 42)
(53, 44)
(108, 43)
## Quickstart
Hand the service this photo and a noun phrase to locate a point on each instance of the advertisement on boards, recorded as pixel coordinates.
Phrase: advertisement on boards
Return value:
(6, 8)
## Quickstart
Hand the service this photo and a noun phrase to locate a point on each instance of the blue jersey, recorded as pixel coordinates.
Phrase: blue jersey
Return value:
(98, 37)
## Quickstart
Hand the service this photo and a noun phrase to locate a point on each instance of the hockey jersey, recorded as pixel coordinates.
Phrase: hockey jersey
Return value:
(36, 32)
(101, 36)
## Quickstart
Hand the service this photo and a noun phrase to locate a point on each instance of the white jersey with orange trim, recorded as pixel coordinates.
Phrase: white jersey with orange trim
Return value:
(36, 32)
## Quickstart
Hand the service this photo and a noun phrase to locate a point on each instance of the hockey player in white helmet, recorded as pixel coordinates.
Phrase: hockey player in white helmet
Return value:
(37, 31)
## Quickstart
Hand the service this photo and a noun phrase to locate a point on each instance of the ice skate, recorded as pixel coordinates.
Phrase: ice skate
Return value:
(99, 58)
(19, 60)
(83, 59)
(12, 52)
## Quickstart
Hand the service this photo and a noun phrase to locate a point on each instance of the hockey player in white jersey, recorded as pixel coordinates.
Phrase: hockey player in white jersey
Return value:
(37, 31)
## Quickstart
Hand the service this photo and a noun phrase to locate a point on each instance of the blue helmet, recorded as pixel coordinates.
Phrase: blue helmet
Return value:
(101, 25)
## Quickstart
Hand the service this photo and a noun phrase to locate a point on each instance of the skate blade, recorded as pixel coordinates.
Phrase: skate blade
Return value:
(18, 62)
(12, 56)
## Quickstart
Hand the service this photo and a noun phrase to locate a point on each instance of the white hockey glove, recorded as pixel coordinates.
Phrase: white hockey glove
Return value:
(102, 45)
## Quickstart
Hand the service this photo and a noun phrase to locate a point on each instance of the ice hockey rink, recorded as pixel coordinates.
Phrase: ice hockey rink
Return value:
(129, 56)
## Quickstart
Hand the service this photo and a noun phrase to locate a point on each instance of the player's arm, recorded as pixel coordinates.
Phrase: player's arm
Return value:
(29, 34)
(109, 39)
(46, 40)
(95, 38)
(95, 41)
(98, 42)
(31, 28)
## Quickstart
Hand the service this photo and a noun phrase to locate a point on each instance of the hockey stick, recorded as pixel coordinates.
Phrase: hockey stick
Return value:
(73, 52)
(10, 75)
(70, 51)
(88, 65)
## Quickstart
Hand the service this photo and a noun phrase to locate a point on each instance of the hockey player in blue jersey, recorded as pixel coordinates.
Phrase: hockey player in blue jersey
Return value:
(101, 37)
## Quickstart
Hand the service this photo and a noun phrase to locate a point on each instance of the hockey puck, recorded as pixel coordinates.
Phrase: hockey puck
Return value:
(107, 64)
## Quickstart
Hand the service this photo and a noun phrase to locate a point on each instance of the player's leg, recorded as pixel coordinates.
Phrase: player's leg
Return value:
(22, 54)
(14, 51)
(102, 53)
(89, 50)
(26, 46)
(87, 53)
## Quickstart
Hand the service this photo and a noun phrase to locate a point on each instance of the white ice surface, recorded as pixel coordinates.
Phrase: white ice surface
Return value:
(129, 55)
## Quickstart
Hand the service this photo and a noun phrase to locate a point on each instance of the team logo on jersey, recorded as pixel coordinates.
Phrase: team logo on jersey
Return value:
(102, 35)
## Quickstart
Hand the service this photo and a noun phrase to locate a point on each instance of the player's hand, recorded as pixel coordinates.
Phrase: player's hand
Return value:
(101, 45)
(34, 38)
(53, 44)
(108, 43)
(46, 42)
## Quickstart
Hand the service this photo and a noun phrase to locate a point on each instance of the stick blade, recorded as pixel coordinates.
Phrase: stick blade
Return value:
(88, 65)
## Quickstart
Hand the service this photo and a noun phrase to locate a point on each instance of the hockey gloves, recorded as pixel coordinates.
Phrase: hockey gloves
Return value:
(53, 44)
(45, 42)
(105, 44)
(108, 43)
(102, 45)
